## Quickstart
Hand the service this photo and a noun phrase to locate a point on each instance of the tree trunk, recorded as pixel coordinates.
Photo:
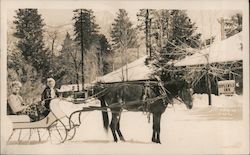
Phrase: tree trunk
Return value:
(126, 63)
(77, 73)
(82, 52)
(122, 64)
(150, 41)
(147, 32)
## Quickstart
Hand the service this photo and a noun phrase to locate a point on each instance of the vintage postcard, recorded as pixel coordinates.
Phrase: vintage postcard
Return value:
(124, 77)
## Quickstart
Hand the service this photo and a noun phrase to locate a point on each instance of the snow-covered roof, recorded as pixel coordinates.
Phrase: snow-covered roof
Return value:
(229, 49)
(137, 70)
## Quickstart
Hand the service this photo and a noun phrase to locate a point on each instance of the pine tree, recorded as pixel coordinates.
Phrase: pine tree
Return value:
(174, 34)
(67, 46)
(123, 36)
(85, 32)
(70, 60)
(85, 27)
(183, 36)
(29, 31)
(144, 16)
(104, 54)
(161, 29)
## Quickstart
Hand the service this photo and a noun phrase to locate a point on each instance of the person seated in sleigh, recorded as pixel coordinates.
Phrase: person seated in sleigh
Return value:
(49, 93)
(17, 106)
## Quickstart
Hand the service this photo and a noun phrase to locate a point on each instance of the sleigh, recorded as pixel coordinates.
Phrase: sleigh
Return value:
(55, 126)
(58, 126)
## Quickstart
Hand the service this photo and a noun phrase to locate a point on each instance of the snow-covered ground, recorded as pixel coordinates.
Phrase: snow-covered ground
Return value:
(201, 130)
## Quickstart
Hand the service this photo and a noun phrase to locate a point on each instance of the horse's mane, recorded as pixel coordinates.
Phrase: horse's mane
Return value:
(173, 87)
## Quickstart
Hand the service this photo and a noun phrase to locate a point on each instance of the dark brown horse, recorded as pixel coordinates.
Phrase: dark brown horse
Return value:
(148, 97)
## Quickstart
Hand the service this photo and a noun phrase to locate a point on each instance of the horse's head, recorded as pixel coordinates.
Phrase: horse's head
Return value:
(110, 91)
(185, 93)
(98, 89)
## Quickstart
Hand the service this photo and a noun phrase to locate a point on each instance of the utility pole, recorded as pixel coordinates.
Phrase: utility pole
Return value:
(208, 85)
(208, 69)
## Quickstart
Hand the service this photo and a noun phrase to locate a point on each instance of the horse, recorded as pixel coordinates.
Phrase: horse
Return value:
(140, 97)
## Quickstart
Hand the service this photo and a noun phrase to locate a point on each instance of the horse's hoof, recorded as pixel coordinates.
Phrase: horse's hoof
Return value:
(122, 139)
(158, 141)
(153, 140)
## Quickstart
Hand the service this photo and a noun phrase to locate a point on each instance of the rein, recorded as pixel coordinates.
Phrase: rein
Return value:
(93, 96)
(35, 103)
(166, 90)
(124, 104)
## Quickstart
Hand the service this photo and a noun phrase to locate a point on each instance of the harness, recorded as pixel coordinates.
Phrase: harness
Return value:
(148, 101)
(145, 104)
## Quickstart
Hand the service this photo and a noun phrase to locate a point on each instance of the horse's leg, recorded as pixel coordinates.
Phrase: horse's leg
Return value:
(154, 128)
(158, 128)
(153, 136)
(113, 125)
(119, 131)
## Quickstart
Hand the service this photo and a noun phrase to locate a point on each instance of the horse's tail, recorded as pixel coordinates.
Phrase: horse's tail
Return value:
(105, 116)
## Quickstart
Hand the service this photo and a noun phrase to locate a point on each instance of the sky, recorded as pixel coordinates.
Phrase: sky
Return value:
(206, 20)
